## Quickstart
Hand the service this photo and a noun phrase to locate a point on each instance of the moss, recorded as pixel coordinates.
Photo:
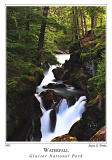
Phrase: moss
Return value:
(49, 57)
(65, 137)
(23, 77)
(74, 46)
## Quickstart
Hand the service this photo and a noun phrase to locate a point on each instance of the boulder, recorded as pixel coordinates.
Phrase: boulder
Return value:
(59, 52)
(58, 72)
(20, 114)
(52, 120)
(50, 99)
(65, 137)
(55, 85)
(88, 125)
(79, 79)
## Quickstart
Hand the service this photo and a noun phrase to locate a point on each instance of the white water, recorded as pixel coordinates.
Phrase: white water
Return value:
(45, 119)
(62, 57)
(62, 107)
(66, 116)
(49, 77)
(65, 119)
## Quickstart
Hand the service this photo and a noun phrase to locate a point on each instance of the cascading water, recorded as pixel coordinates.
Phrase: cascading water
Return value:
(49, 76)
(65, 119)
(66, 115)
(62, 107)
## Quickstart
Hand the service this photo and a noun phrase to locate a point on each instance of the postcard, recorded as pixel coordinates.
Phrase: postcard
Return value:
(55, 80)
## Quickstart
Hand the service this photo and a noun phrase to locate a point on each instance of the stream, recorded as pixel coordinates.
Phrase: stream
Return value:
(66, 114)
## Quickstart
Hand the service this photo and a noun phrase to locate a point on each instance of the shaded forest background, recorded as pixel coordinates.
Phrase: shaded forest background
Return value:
(34, 34)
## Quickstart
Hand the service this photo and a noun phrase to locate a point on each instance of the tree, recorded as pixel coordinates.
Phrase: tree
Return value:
(82, 26)
(94, 12)
(85, 25)
(42, 30)
(73, 23)
(76, 23)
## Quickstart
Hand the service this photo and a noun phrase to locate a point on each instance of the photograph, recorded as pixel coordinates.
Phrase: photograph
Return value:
(56, 73)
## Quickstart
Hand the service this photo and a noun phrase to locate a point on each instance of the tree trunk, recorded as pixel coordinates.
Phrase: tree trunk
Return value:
(42, 30)
(76, 23)
(27, 18)
(78, 33)
(27, 23)
(85, 26)
(73, 23)
(82, 26)
(101, 22)
(95, 24)
(92, 24)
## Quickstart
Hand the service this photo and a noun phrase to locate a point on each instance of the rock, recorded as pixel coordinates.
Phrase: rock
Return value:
(52, 120)
(79, 80)
(55, 85)
(100, 135)
(88, 125)
(65, 137)
(67, 65)
(59, 52)
(58, 72)
(50, 99)
(46, 66)
(20, 104)
(23, 111)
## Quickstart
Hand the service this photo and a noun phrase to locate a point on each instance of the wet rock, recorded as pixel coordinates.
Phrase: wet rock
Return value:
(50, 99)
(59, 52)
(52, 120)
(46, 66)
(58, 72)
(67, 65)
(55, 85)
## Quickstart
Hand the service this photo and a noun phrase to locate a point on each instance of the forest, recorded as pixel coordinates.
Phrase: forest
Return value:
(35, 35)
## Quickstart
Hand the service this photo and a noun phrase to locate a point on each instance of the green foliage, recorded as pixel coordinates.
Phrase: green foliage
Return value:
(96, 84)
(85, 54)
(49, 57)
(74, 46)
(94, 11)
(12, 82)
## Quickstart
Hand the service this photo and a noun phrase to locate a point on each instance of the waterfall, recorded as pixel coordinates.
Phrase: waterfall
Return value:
(66, 117)
(45, 120)
(49, 76)
(74, 112)
(62, 107)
